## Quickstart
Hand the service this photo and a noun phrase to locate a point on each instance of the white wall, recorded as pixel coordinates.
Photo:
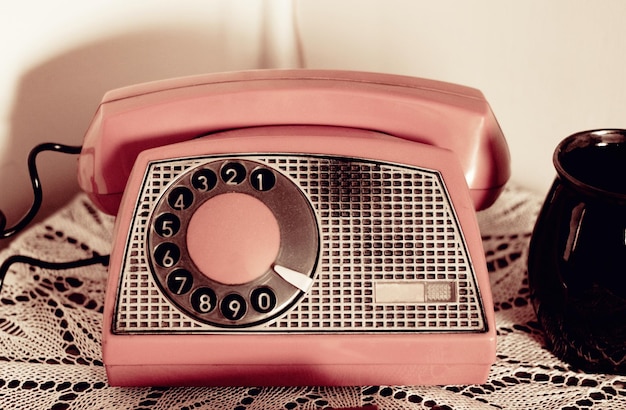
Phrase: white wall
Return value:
(549, 68)
(59, 57)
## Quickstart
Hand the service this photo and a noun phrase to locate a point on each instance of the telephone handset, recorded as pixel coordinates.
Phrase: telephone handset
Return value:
(289, 227)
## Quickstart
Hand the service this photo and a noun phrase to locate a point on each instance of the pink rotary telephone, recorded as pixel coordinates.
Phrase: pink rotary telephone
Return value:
(296, 227)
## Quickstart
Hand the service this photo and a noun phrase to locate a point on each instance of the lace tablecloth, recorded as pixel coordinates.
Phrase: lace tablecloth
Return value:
(50, 324)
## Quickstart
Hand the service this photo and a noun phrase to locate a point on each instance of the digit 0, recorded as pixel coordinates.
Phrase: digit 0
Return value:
(263, 300)
(167, 225)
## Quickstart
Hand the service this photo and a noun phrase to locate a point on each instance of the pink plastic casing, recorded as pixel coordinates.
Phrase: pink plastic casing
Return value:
(249, 358)
(449, 116)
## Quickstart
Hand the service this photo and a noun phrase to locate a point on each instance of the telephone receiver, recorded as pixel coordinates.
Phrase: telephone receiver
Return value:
(296, 227)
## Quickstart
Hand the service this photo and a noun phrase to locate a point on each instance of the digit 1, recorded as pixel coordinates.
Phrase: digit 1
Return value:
(259, 180)
(262, 179)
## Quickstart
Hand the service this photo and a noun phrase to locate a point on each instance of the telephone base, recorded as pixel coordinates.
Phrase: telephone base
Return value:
(312, 359)
(291, 375)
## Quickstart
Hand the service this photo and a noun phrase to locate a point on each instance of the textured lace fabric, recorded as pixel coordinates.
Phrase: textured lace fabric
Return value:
(50, 326)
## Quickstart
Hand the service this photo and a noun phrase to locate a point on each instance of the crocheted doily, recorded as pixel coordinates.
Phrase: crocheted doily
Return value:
(50, 332)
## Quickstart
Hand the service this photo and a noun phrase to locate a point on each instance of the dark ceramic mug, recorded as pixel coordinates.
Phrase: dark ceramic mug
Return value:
(577, 255)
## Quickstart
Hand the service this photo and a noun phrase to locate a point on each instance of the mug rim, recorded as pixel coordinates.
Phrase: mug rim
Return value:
(585, 139)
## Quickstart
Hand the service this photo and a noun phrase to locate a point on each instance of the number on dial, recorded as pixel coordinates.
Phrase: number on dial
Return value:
(233, 173)
(203, 300)
(167, 225)
(180, 198)
(167, 254)
(180, 281)
(263, 300)
(204, 180)
(233, 306)
(262, 179)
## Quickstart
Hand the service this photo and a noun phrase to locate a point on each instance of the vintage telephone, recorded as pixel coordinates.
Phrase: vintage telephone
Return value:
(296, 227)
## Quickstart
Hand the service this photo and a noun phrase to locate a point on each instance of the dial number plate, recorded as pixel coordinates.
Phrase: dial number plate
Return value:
(199, 293)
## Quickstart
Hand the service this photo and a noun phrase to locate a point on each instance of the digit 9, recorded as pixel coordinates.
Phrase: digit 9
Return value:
(233, 306)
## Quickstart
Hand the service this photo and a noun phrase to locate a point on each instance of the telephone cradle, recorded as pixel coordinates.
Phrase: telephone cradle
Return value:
(296, 227)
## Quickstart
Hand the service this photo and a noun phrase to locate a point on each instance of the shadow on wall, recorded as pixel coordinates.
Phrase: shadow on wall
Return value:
(56, 100)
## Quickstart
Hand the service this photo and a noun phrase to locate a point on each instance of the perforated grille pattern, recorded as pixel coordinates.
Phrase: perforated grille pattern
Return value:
(382, 226)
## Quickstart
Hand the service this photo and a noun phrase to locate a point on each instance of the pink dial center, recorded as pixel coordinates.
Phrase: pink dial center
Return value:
(233, 238)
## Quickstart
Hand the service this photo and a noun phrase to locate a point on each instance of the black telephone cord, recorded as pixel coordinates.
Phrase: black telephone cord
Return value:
(36, 184)
(11, 260)
(26, 219)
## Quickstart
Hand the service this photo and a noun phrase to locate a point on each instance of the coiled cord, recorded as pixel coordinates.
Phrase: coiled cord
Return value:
(26, 219)
(36, 184)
